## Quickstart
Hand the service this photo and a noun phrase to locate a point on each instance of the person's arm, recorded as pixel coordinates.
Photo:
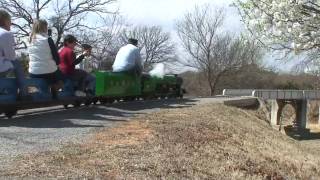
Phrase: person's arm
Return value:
(54, 51)
(8, 50)
(78, 60)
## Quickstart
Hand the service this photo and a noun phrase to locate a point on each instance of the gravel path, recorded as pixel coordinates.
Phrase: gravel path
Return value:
(50, 128)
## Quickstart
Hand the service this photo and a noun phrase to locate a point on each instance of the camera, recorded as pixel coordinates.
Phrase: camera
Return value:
(49, 32)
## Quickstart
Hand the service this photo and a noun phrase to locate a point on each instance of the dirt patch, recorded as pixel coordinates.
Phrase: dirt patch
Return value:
(131, 133)
(202, 142)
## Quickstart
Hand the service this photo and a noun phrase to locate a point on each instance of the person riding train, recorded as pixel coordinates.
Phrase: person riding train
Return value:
(128, 59)
(68, 61)
(44, 57)
(8, 60)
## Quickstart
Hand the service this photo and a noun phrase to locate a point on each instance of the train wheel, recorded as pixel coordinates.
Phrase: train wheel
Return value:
(65, 106)
(95, 101)
(77, 104)
(129, 99)
(102, 101)
(87, 103)
(10, 114)
(170, 96)
(149, 97)
(106, 101)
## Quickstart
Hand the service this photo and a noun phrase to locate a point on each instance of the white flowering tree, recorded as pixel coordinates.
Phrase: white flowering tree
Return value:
(285, 25)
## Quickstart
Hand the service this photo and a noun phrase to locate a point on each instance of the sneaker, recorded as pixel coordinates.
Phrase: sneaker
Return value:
(80, 94)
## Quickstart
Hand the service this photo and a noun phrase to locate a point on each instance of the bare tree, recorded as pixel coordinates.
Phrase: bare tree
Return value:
(156, 45)
(211, 51)
(23, 16)
(105, 41)
(68, 15)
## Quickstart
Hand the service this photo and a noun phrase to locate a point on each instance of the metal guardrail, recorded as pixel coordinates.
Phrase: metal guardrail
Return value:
(312, 94)
(238, 92)
(274, 94)
(278, 94)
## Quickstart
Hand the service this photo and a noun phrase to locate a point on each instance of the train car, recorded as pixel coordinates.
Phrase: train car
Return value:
(40, 96)
(112, 86)
(109, 87)
(115, 86)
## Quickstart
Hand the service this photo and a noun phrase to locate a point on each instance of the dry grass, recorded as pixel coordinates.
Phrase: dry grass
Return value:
(202, 142)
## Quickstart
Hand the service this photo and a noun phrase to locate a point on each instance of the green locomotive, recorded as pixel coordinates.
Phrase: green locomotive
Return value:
(115, 86)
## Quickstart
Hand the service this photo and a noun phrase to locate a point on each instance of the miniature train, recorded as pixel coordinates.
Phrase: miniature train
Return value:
(109, 87)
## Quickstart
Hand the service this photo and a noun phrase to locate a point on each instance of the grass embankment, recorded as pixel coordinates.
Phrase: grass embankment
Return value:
(208, 141)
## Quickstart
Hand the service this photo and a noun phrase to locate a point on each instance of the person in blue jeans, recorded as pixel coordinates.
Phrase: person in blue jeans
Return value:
(8, 61)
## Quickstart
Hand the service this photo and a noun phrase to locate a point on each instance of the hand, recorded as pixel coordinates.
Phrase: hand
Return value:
(86, 53)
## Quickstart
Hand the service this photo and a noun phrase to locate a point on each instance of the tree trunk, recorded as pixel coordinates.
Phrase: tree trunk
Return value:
(212, 90)
(213, 82)
(212, 85)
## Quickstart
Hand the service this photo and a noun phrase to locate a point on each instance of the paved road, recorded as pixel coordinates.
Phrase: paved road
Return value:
(50, 128)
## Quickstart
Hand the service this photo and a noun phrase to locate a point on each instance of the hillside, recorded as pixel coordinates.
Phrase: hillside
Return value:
(207, 141)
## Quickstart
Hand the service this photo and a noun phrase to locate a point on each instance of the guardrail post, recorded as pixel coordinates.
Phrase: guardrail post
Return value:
(224, 92)
(319, 116)
(276, 110)
(302, 109)
(253, 93)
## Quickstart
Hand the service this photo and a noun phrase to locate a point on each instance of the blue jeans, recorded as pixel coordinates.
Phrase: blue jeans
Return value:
(51, 78)
(20, 77)
(84, 80)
